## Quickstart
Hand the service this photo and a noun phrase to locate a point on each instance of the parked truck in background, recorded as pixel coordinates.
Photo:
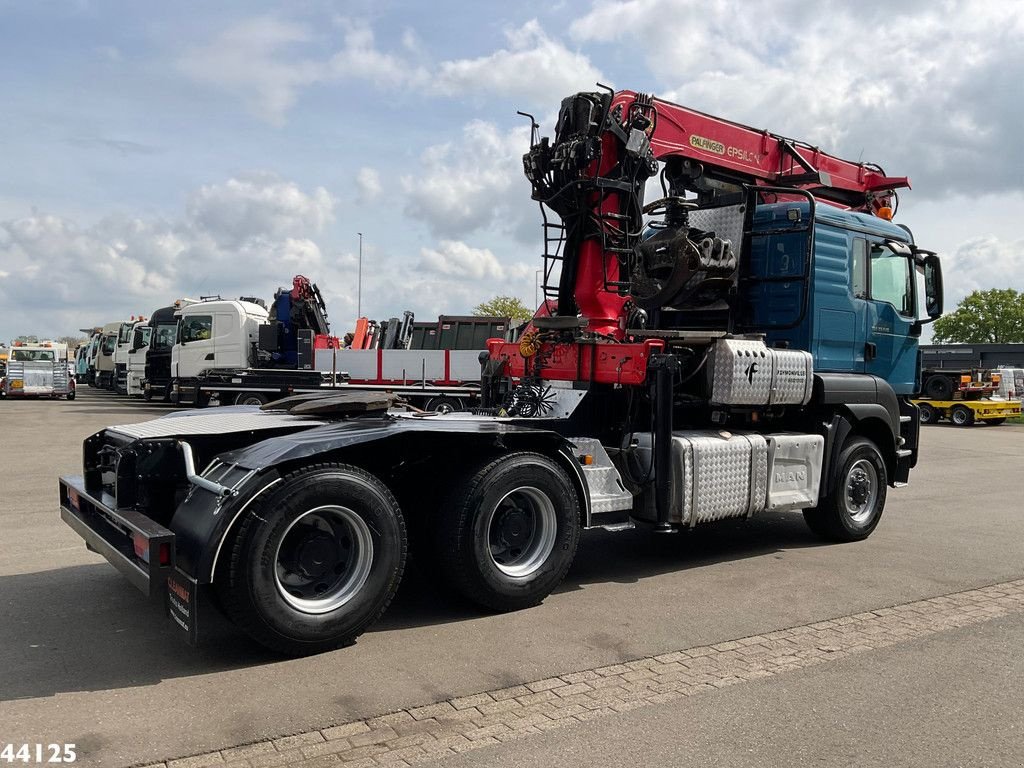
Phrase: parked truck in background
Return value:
(105, 371)
(38, 369)
(136, 372)
(124, 344)
(163, 325)
(746, 344)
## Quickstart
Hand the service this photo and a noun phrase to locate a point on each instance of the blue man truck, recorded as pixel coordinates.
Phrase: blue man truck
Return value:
(746, 344)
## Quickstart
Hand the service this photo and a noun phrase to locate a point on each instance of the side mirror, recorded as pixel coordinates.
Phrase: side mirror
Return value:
(931, 269)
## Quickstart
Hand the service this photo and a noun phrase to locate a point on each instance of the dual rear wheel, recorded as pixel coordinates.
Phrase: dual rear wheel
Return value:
(319, 558)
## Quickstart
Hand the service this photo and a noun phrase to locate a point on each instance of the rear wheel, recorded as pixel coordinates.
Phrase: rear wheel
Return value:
(316, 562)
(996, 422)
(962, 416)
(851, 511)
(939, 387)
(927, 414)
(444, 404)
(509, 533)
(251, 398)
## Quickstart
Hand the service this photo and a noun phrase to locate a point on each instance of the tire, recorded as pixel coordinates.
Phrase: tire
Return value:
(995, 422)
(202, 399)
(508, 534)
(927, 414)
(70, 396)
(251, 398)
(855, 505)
(961, 415)
(443, 404)
(147, 395)
(278, 585)
(939, 388)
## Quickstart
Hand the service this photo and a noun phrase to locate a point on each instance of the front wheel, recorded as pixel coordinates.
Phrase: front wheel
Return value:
(316, 562)
(851, 511)
(509, 532)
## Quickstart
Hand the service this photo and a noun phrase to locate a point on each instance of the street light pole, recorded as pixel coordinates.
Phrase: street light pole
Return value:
(359, 279)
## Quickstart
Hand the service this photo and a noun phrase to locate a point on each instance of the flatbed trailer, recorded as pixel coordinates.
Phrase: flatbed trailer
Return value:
(964, 413)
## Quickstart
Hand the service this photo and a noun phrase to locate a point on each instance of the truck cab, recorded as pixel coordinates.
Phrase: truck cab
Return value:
(862, 307)
(105, 371)
(214, 335)
(136, 367)
(124, 344)
(163, 324)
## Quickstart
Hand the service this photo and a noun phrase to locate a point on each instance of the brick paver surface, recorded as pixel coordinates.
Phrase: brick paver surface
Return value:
(470, 722)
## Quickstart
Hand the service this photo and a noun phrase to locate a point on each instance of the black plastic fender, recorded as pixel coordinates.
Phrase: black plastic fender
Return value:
(203, 521)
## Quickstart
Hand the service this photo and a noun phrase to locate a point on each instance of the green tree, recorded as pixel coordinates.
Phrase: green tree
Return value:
(504, 306)
(994, 316)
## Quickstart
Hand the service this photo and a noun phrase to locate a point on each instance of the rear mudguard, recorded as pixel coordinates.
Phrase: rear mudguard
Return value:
(204, 520)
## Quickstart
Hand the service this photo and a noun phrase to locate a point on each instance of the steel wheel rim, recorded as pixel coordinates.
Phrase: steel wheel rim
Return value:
(323, 559)
(860, 492)
(521, 531)
(959, 416)
(251, 400)
(444, 407)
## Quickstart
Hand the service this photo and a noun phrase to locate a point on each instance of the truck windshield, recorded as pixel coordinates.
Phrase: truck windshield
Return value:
(163, 335)
(33, 355)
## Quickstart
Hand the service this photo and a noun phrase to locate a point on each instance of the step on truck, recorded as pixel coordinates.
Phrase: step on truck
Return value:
(745, 345)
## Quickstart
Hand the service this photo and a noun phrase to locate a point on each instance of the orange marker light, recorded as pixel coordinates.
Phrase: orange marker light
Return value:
(885, 212)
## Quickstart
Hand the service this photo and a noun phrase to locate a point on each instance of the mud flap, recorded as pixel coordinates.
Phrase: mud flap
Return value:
(182, 603)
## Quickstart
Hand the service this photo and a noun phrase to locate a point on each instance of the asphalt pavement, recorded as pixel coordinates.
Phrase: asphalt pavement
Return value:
(85, 659)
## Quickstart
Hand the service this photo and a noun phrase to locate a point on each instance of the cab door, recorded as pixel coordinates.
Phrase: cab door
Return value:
(890, 344)
(194, 351)
(229, 350)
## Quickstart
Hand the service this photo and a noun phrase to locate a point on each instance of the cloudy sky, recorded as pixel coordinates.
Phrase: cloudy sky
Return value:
(157, 150)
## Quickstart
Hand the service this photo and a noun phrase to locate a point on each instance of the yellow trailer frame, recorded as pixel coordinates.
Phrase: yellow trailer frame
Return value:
(964, 413)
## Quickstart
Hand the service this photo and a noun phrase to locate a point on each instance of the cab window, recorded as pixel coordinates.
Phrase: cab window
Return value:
(891, 279)
(163, 338)
(196, 328)
(859, 268)
(109, 342)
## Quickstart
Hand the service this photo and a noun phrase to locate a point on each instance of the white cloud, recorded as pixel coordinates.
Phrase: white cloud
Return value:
(929, 90)
(456, 259)
(257, 60)
(252, 60)
(243, 237)
(474, 184)
(534, 67)
(368, 184)
(258, 203)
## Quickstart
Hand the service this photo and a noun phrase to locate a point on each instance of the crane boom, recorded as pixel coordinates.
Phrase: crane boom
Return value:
(729, 149)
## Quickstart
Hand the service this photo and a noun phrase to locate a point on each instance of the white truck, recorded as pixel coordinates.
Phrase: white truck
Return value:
(105, 377)
(38, 369)
(136, 368)
(219, 354)
(124, 345)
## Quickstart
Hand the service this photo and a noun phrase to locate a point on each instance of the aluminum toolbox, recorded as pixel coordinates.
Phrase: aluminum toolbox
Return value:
(715, 475)
(747, 372)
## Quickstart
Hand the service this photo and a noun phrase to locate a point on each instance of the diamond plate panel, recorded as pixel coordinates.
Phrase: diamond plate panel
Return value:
(607, 493)
(740, 372)
(792, 378)
(726, 222)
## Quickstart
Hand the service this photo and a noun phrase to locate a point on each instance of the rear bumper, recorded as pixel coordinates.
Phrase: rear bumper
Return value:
(142, 550)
